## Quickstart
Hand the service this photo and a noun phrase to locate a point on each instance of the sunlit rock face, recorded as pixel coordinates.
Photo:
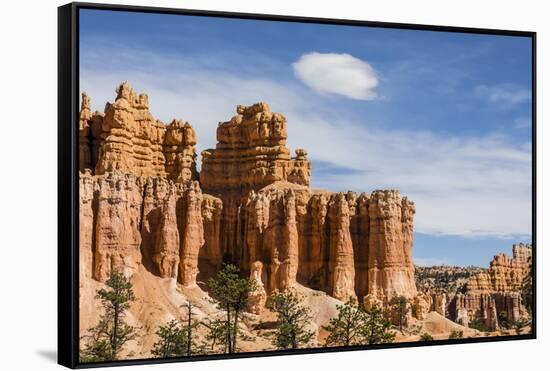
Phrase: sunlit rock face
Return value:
(497, 291)
(143, 203)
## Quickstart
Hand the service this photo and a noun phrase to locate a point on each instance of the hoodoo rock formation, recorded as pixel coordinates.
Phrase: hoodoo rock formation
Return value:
(497, 291)
(127, 138)
(143, 202)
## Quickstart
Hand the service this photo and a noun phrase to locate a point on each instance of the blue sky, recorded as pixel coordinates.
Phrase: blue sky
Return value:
(443, 117)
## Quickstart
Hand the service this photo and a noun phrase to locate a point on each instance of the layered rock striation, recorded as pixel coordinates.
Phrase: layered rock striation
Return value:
(127, 138)
(496, 292)
(143, 202)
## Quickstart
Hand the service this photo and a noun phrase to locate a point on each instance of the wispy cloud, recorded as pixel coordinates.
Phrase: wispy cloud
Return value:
(503, 94)
(461, 185)
(340, 74)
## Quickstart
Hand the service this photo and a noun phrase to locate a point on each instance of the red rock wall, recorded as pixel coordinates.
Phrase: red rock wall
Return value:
(500, 285)
(86, 225)
(129, 139)
(390, 266)
(192, 236)
(166, 253)
(117, 221)
(253, 207)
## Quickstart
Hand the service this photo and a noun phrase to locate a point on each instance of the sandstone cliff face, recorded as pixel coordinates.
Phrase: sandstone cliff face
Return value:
(211, 255)
(179, 151)
(126, 221)
(251, 154)
(192, 236)
(255, 139)
(496, 291)
(141, 204)
(129, 139)
(505, 273)
(258, 297)
(270, 236)
(341, 263)
(132, 138)
(166, 253)
(86, 225)
(89, 135)
(118, 217)
(390, 267)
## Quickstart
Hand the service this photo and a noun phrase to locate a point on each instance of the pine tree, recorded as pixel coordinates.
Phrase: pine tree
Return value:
(345, 329)
(426, 337)
(172, 340)
(292, 320)
(232, 293)
(399, 305)
(217, 334)
(456, 334)
(108, 337)
(176, 337)
(376, 328)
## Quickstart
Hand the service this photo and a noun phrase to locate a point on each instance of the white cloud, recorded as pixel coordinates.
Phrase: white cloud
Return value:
(503, 94)
(461, 186)
(467, 186)
(340, 74)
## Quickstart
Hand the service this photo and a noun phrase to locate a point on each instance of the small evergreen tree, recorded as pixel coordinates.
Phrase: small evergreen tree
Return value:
(399, 305)
(456, 334)
(232, 292)
(292, 320)
(377, 328)
(345, 329)
(426, 337)
(478, 323)
(172, 340)
(217, 334)
(96, 350)
(108, 337)
(176, 337)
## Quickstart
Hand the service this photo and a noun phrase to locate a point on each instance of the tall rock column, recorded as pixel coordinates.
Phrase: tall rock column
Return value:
(166, 254)
(317, 254)
(86, 225)
(280, 240)
(341, 250)
(250, 154)
(179, 151)
(258, 297)
(118, 219)
(289, 250)
(391, 271)
(132, 139)
(154, 196)
(256, 219)
(360, 237)
(211, 255)
(84, 134)
(192, 237)
(89, 133)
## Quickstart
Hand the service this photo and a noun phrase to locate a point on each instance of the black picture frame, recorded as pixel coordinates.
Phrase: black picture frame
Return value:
(68, 202)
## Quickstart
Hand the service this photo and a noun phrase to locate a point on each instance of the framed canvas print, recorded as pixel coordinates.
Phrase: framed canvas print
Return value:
(240, 185)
